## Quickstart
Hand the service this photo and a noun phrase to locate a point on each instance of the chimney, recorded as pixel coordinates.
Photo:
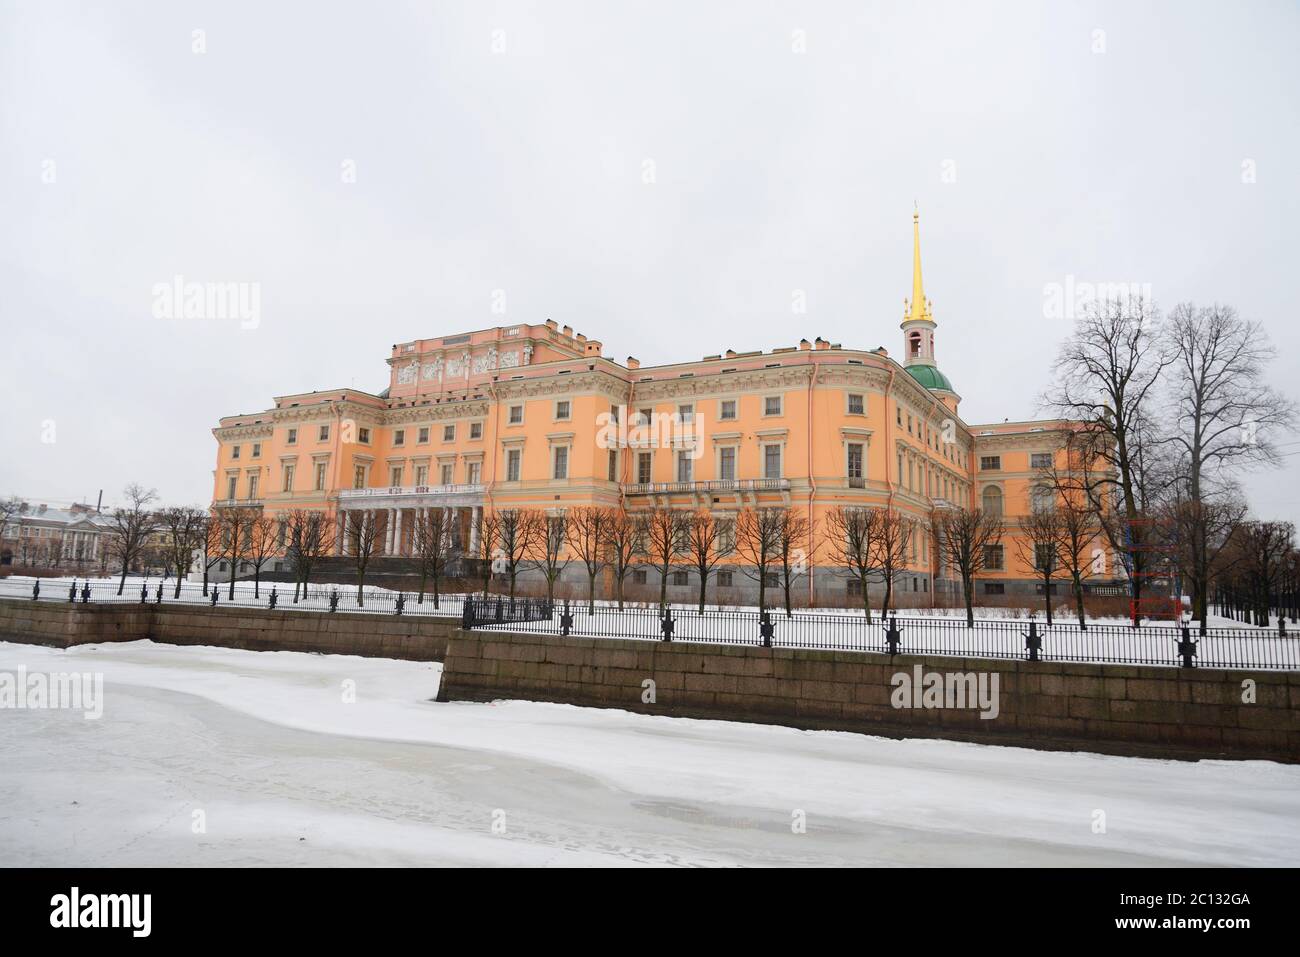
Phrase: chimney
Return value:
(633, 362)
(805, 345)
(731, 353)
(822, 343)
(552, 324)
(568, 331)
(581, 337)
(593, 347)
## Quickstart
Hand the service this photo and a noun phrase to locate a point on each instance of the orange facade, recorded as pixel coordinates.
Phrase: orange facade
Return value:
(536, 416)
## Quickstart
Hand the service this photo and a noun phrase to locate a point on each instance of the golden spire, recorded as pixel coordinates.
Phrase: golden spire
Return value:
(918, 308)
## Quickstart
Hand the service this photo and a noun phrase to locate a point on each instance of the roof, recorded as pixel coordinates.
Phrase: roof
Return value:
(930, 377)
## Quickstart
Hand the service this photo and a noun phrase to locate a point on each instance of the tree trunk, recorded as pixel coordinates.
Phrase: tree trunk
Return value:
(866, 599)
(122, 584)
(1047, 599)
(1078, 601)
(423, 578)
(591, 592)
(889, 594)
(704, 584)
(663, 587)
(177, 593)
(968, 586)
(436, 576)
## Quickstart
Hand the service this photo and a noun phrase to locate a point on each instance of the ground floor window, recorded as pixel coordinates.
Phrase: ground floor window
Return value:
(724, 579)
(995, 588)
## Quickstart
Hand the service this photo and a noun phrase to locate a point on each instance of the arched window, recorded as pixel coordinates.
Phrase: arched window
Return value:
(916, 344)
(1042, 498)
(993, 500)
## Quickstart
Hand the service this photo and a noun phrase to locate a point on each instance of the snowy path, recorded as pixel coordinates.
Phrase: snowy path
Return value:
(287, 773)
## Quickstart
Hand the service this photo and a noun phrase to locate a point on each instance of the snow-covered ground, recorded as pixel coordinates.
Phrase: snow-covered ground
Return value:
(285, 771)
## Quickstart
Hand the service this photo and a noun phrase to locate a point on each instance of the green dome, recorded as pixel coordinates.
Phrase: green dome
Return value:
(930, 377)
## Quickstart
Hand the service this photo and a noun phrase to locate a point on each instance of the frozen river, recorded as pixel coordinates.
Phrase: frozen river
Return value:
(209, 756)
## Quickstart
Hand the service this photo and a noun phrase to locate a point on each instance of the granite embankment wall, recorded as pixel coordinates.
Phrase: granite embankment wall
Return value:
(418, 638)
(1120, 709)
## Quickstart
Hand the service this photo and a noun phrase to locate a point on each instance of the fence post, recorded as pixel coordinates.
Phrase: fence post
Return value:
(765, 627)
(893, 634)
(1033, 641)
(1187, 648)
(566, 620)
(467, 613)
(157, 598)
(72, 592)
(36, 589)
(85, 593)
(274, 598)
(213, 602)
(1281, 626)
(144, 593)
(334, 601)
(401, 603)
(666, 624)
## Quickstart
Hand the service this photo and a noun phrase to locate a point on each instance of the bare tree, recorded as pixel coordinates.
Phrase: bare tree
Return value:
(489, 543)
(213, 545)
(130, 528)
(433, 537)
(1077, 534)
(1039, 547)
(518, 529)
(704, 546)
(9, 507)
(966, 536)
(758, 544)
(237, 537)
(362, 535)
(1225, 417)
(851, 531)
(547, 552)
(589, 530)
(1199, 533)
(1106, 379)
(1263, 556)
(187, 528)
(309, 538)
(792, 558)
(889, 549)
(625, 534)
(665, 530)
(263, 542)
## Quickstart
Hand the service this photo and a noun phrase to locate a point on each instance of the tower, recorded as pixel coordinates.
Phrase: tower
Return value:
(918, 325)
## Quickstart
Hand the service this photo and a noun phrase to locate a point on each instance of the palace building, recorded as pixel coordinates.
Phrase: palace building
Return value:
(536, 416)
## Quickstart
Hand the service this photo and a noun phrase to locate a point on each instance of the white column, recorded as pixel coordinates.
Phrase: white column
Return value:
(476, 516)
(397, 531)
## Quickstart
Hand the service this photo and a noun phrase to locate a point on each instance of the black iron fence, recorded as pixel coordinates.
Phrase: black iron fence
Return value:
(484, 610)
(1171, 645)
(272, 595)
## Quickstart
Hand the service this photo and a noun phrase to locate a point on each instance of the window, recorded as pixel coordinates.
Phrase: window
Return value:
(771, 461)
(324, 434)
(727, 409)
(561, 470)
(288, 479)
(512, 465)
(853, 587)
(613, 465)
(448, 475)
(771, 580)
(562, 409)
(772, 405)
(1040, 460)
(320, 476)
(234, 452)
(422, 436)
(727, 464)
(363, 435)
(993, 557)
(292, 437)
(724, 579)
(475, 473)
(643, 462)
(685, 412)
(252, 486)
(990, 463)
(257, 450)
(854, 464)
(638, 576)
(395, 476)
(476, 430)
(516, 414)
(1044, 558)
(898, 413)
(991, 499)
(646, 415)
(421, 475)
(909, 425)
(995, 588)
(1042, 498)
(681, 578)
(856, 404)
(685, 470)
(399, 437)
(359, 477)
(232, 487)
(449, 433)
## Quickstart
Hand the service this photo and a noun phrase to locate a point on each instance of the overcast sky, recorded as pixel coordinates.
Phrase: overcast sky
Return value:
(663, 176)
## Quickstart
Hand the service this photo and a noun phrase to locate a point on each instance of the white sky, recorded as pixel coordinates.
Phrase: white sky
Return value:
(522, 171)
